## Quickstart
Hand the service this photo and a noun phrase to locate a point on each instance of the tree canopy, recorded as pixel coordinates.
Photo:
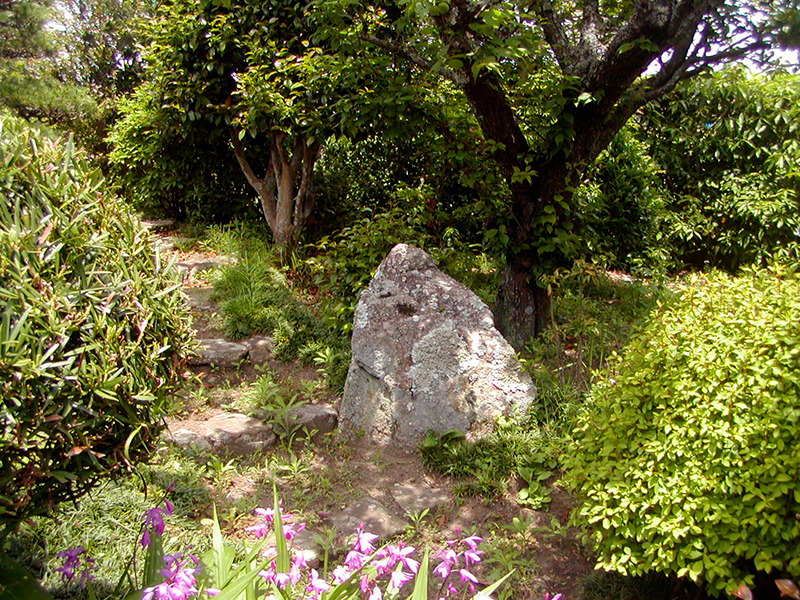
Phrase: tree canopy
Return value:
(268, 85)
(28, 78)
(551, 84)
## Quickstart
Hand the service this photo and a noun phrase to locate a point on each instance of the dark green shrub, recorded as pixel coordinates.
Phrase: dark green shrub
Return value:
(621, 207)
(727, 148)
(93, 328)
(685, 460)
(183, 172)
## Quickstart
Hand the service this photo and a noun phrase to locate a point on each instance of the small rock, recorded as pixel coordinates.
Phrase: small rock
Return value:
(190, 266)
(321, 418)
(538, 518)
(376, 519)
(414, 498)
(219, 352)
(259, 348)
(303, 542)
(169, 242)
(156, 225)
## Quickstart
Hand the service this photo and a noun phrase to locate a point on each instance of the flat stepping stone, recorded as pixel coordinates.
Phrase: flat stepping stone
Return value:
(230, 434)
(416, 497)
(156, 225)
(200, 299)
(219, 353)
(375, 516)
(190, 266)
(303, 542)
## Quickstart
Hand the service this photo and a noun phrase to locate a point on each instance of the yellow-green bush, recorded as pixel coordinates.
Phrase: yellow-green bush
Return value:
(686, 460)
(93, 328)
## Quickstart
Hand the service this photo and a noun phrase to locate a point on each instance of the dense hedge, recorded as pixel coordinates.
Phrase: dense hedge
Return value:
(93, 327)
(686, 460)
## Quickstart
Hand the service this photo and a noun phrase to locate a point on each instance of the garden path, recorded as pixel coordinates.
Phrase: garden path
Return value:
(337, 485)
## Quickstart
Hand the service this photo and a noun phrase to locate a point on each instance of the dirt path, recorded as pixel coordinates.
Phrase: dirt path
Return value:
(332, 484)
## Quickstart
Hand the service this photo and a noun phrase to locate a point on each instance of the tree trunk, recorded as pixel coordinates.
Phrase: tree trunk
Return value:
(286, 191)
(522, 307)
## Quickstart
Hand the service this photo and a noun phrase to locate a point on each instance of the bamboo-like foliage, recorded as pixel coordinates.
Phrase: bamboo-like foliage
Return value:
(94, 331)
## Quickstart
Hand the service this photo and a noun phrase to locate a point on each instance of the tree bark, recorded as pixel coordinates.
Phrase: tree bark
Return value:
(286, 191)
(607, 67)
(522, 306)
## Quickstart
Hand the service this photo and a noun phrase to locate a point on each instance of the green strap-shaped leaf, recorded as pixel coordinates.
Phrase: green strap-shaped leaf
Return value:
(421, 582)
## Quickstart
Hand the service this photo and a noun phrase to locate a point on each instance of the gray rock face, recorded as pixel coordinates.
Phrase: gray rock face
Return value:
(426, 355)
(158, 225)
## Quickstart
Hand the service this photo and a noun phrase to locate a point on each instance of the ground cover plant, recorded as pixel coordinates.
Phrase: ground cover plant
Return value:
(258, 295)
(684, 458)
(226, 572)
(94, 332)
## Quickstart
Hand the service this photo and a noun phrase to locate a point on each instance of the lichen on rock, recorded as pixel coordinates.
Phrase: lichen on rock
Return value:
(426, 355)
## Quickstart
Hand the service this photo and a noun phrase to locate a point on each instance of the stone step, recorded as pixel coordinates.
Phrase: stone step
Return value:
(219, 353)
(225, 434)
(158, 225)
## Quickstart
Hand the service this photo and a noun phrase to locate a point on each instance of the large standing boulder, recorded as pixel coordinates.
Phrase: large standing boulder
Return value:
(426, 356)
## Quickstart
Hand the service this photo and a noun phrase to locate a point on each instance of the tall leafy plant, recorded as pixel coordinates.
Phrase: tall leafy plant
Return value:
(727, 146)
(93, 328)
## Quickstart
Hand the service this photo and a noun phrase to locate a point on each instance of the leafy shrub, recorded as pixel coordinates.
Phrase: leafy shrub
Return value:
(168, 168)
(621, 208)
(685, 460)
(727, 146)
(93, 330)
(343, 265)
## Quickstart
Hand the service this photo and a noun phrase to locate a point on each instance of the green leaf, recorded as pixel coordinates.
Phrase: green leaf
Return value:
(16, 583)
(154, 562)
(282, 559)
(420, 591)
(489, 590)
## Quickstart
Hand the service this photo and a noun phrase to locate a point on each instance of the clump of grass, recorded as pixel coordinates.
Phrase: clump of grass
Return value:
(485, 466)
(255, 296)
(593, 315)
(239, 237)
